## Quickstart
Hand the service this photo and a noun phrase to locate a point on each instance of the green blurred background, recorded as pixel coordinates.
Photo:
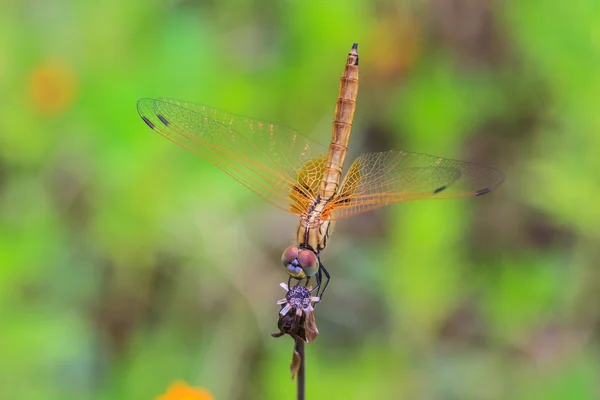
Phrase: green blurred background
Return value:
(128, 263)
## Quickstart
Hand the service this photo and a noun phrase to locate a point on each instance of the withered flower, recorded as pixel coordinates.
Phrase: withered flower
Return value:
(297, 319)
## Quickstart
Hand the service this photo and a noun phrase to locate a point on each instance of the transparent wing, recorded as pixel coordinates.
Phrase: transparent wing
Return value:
(275, 162)
(377, 179)
(308, 180)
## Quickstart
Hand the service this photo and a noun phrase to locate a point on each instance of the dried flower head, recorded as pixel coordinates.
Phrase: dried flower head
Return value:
(296, 317)
(298, 298)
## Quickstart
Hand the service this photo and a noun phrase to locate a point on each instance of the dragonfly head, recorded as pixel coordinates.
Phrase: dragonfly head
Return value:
(299, 262)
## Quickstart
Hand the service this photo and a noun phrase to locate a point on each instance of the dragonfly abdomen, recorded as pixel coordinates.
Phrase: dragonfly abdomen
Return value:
(342, 126)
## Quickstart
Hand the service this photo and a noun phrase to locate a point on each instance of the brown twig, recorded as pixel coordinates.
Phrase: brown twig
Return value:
(301, 380)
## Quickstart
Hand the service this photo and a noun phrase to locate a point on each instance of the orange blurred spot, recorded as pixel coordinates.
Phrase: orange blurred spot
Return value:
(52, 86)
(396, 44)
(182, 391)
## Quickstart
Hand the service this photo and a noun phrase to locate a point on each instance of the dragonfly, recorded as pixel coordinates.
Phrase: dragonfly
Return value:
(302, 177)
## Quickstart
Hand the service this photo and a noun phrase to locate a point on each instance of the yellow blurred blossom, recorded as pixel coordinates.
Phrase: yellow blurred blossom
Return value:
(182, 391)
(52, 87)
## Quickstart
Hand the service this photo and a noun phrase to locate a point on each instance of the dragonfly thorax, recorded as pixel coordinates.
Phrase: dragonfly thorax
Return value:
(299, 262)
(313, 230)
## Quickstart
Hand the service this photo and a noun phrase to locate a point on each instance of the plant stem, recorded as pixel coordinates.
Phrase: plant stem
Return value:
(301, 373)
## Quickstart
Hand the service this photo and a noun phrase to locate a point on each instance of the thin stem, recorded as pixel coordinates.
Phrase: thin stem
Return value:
(301, 373)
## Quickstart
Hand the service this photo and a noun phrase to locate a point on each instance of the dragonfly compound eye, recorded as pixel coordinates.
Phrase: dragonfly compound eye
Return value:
(290, 262)
(308, 262)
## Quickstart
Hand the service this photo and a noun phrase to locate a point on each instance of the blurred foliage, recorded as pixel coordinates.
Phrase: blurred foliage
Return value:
(128, 263)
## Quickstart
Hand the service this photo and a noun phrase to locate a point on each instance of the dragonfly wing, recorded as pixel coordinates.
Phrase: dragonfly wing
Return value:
(307, 185)
(266, 158)
(378, 179)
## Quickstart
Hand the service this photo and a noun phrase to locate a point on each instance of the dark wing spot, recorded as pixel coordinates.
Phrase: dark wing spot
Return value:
(482, 191)
(300, 191)
(342, 200)
(163, 119)
(436, 191)
(147, 121)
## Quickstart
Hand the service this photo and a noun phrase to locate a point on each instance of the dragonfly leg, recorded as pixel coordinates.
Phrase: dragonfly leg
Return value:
(323, 270)
(318, 278)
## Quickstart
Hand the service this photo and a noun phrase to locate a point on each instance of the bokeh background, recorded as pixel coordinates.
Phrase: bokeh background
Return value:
(127, 263)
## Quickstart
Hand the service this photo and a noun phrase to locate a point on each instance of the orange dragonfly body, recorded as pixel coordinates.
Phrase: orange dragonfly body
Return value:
(302, 177)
